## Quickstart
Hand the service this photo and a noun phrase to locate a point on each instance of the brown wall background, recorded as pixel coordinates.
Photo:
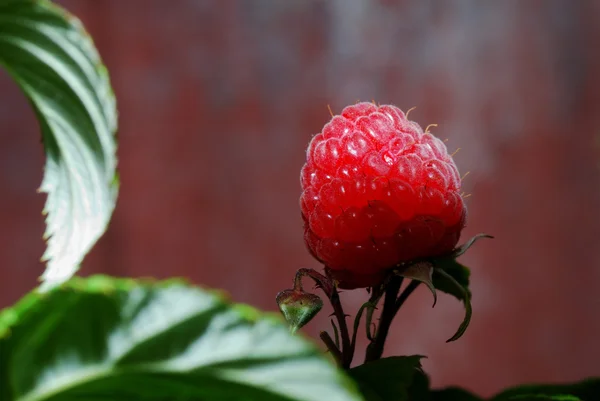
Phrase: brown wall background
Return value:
(218, 100)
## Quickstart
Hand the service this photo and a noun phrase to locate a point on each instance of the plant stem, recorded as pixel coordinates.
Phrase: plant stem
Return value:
(347, 351)
(331, 292)
(322, 281)
(406, 293)
(335, 352)
(375, 348)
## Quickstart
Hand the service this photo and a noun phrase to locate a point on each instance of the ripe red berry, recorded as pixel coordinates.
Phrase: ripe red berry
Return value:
(378, 191)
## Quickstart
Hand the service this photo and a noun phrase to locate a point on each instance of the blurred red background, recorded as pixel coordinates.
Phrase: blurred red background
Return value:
(218, 100)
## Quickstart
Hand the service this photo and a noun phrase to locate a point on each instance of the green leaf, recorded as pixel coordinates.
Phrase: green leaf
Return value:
(459, 272)
(586, 390)
(115, 339)
(419, 388)
(420, 391)
(445, 281)
(453, 394)
(387, 379)
(54, 61)
(542, 397)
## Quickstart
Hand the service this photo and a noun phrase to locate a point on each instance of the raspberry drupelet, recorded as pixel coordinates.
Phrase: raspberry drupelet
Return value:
(378, 191)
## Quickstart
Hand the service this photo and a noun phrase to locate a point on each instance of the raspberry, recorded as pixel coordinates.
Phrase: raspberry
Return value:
(378, 191)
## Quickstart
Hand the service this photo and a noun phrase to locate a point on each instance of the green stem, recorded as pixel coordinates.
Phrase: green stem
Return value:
(375, 348)
(406, 293)
(335, 351)
(331, 292)
(338, 311)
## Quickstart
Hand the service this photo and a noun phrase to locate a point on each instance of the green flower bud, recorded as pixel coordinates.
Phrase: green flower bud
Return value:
(298, 307)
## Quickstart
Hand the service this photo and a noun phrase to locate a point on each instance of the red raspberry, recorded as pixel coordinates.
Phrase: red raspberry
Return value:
(377, 191)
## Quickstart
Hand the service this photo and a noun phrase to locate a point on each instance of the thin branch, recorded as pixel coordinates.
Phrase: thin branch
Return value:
(336, 334)
(375, 348)
(326, 284)
(357, 324)
(335, 351)
(406, 293)
(341, 318)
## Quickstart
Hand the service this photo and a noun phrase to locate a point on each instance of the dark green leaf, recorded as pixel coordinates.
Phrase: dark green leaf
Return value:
(420, 271)
(459, 272)
(446, 282)
(541, 397)
(109, 339)
(453, 394)
(587, 390)
(54, 61)
(419, 388)
(387, 379)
